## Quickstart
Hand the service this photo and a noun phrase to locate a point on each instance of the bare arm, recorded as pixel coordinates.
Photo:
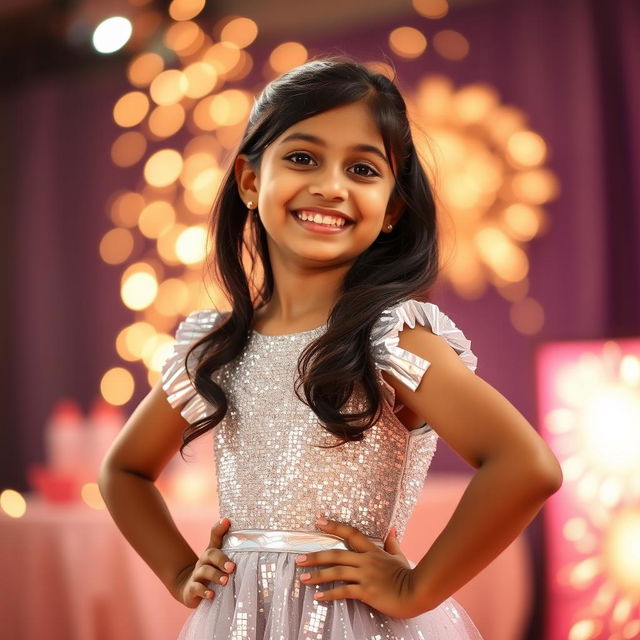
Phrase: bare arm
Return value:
(517, 471)
(149, 439)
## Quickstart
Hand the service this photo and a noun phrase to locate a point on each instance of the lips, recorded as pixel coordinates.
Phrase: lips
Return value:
(311, 211)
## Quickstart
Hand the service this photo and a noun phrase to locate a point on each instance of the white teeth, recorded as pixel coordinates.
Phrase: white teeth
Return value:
(320, 219)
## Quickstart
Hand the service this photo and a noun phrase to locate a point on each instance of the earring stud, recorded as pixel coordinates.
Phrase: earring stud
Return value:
(250, 204)
(389, 227)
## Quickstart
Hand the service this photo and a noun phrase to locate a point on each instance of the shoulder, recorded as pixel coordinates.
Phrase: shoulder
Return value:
(175, 371)
(411, 335)
(198, 323)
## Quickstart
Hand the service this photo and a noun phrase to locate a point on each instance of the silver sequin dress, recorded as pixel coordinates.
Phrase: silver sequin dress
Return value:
(272, 483)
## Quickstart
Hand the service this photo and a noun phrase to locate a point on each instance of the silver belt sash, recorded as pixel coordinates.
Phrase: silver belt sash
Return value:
(285, 541)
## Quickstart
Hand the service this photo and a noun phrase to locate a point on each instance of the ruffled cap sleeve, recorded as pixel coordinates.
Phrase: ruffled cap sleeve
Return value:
(402, 364)
(175, 381)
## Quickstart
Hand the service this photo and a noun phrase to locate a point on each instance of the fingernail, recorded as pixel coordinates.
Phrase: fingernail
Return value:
(301, 558)
(221, 521)
(224, 579)
(322, 520)
(208, 594)
(228, 566)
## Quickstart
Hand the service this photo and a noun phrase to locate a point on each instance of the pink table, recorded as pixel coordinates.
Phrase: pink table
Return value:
(68, 573)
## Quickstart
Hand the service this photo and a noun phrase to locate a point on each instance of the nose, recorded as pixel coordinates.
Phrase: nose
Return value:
(329, 184)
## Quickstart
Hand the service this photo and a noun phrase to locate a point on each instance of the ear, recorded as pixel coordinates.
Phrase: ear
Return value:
(247, 179)
(395, 209)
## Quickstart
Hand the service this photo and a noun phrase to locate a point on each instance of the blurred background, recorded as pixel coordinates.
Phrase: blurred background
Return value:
(117, 121)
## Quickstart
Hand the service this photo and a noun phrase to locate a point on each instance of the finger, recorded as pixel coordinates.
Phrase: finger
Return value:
(201, 590)
(391, 543)
(352, 591)
(217, 531)
(332, 574)
(208, 573)
(356, 539)
(332, 557)
(219, 558)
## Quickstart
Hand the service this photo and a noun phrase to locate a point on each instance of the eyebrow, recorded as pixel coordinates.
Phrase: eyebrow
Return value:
(319, 141)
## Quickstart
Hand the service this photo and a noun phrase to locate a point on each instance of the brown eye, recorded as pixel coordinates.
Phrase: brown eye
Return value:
(372, 173)
(297, 154)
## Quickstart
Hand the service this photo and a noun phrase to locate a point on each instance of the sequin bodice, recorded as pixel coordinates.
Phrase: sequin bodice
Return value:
(269, 473)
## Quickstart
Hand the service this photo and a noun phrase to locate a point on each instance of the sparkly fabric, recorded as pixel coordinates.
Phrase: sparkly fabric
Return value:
(272, 479)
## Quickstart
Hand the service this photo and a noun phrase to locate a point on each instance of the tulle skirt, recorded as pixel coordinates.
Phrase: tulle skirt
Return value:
(264, 599)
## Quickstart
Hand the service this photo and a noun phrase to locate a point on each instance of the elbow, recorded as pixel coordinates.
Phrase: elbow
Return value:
(549, 473)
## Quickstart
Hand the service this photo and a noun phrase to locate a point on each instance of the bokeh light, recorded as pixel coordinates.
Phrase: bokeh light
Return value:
(407, 42)
(117, 386)
(433, 9)
(239, 31)
(131, 109)
(112, 34)
(287, 55)
(144, 68)
(12, 503)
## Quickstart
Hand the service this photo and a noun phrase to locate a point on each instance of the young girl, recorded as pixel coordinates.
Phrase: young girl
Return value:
(327, 387)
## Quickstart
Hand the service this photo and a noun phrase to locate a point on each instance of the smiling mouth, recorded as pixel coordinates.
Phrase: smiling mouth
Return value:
(320, 225)
(337, 222)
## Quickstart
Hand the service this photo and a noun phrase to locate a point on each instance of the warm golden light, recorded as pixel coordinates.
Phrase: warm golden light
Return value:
(156, 351)
(173, 297)
(287, 55)
(90, 494)
(12, 503)
(184, 37)
(526, 149)
(116, 246)
(431, 8)
(190, 245)
(230, 107)
(610, 420)
(201, 79)
(240, 31)
(163, 167)
(126, 208)
(166, 244)
(523, 220)
(131, 109)
(128, 148)
(241, 69)
(505, 259)
(185, 9)
(168, 87)
(536, 186)
(407, 42)
(166, 120)
(131, 340)
(117, 386)
(139, 286)
(474, 103)
(622, 551)
(223, 57)
(144, 68)
(156, 218)
(451, 45)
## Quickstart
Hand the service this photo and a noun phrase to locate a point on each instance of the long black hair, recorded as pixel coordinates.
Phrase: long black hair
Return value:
(398, 265)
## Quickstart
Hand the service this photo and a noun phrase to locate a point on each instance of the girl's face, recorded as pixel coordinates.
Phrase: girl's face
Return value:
(322, 162)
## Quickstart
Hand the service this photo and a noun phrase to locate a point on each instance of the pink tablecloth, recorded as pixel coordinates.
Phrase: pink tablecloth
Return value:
(68, 573)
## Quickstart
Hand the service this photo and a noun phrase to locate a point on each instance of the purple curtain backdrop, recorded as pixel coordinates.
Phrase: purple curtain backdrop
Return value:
(571, 65)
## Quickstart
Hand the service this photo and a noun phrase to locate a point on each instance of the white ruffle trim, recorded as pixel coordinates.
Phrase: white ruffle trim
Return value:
(175, 380)
(402, 364)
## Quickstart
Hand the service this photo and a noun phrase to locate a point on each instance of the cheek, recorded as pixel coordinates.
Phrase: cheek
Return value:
(281, 188)
(373, 204)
